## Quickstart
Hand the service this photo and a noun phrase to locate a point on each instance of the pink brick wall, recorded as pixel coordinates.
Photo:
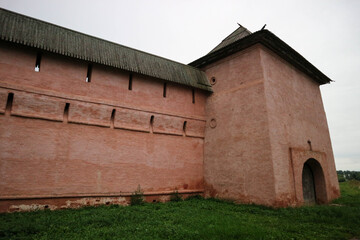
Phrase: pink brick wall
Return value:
(45, 158)
(3, 98)
(65, 77)
(247, 141)
(296, 115)
(265, 112)
(237, 163)
(89, 152)
(37, 106)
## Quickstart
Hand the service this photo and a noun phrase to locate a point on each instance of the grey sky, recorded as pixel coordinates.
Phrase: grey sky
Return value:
(325, 32)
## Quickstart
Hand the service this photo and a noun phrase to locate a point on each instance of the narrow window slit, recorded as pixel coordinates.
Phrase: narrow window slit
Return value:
(184, 128)
(88, 75)
(66, 113)
(37, 63)
(309, 142)
(112, 119)
(151, 123)
(9, 104)
(130, 81)
(193, 96)
(164, 92)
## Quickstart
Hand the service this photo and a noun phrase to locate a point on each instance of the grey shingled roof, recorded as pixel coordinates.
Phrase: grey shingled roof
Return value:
(45, 36)
(233, 44)
(238, 34)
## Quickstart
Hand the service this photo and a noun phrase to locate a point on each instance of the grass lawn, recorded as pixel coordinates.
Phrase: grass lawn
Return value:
(191, 219)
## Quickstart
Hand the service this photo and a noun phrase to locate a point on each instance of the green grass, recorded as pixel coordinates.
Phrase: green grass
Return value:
(191, 219)
(350, 193)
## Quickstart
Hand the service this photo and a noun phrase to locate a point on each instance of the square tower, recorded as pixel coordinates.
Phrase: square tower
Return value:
(267, 139)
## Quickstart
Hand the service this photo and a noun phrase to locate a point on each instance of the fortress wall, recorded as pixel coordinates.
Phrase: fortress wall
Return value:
(46, 158)
(63, 137)
(296, 115)
(36, 106)
(65, 77)
(238, 163)
(3, 99)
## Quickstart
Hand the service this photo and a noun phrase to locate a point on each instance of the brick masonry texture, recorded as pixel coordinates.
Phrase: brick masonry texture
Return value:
(65, 142)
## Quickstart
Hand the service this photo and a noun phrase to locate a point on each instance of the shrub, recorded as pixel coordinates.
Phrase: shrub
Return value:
(341, 178)
(175, 197)
(137, 198)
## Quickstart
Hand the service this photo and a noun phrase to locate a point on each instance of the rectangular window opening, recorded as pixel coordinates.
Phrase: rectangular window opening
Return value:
(66, 113)
(37, 63)
(164, 92)
(9, 103)
(151, 123)
(184, 128)
(193, 96)
(88, 75)
(112, 119)
(130, 81)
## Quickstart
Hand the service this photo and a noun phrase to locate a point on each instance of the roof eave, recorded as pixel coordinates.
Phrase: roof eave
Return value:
(272, 42)
(30, 32)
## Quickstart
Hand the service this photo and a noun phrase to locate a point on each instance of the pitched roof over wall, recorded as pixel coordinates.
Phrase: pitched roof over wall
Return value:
(35, 33)
(242, 39)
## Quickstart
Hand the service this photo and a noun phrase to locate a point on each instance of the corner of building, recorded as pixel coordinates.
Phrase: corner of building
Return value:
(299, 135)
(237, 157)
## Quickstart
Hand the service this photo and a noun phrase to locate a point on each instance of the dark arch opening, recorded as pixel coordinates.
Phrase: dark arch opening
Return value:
(313, 183)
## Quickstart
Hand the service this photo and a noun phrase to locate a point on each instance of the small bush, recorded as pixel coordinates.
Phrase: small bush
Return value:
(341, 178)
(137, 198)
(175, 197)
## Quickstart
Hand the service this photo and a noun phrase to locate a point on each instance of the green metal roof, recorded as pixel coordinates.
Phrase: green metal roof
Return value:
(45, 36)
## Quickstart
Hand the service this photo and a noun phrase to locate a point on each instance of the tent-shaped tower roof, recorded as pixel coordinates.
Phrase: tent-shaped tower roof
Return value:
(242, 39)
(238, 34)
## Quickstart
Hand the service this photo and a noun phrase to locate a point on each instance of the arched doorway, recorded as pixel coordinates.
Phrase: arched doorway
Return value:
(308, 184)
(313, 183)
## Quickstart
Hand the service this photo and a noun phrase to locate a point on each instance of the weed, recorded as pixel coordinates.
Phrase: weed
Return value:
(175, 197)
(137, 198)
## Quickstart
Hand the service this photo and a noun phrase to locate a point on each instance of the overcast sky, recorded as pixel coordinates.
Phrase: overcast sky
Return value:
(325, 32)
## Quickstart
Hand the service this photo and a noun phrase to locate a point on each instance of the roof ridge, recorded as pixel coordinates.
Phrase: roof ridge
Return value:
(231, 34)
(232, 37)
